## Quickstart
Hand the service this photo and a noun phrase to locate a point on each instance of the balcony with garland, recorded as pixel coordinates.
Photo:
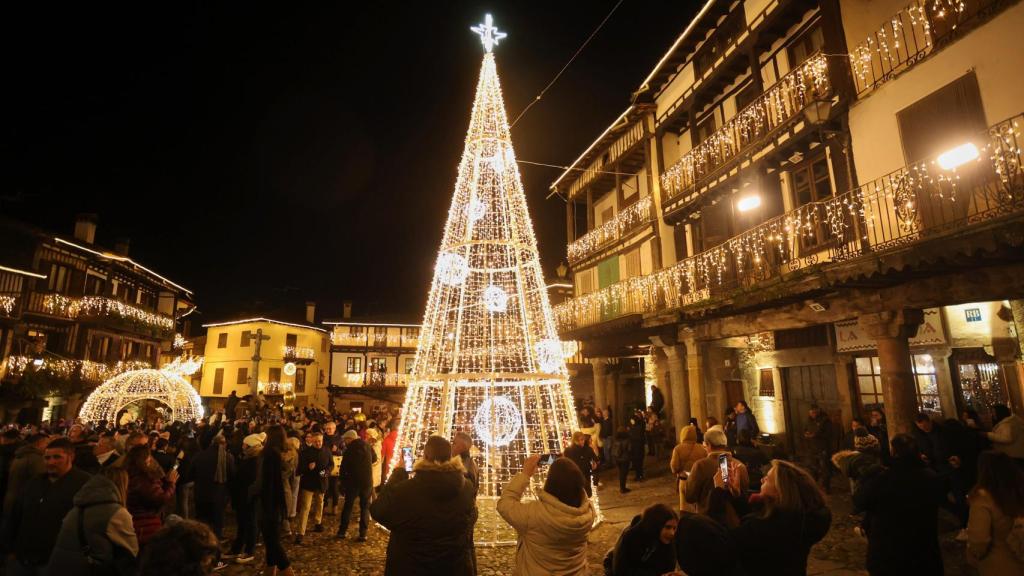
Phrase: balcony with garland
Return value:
(102, 310)
(630, 221)
(782, 112)
(911, 35)
(927, 210)
(301, 355)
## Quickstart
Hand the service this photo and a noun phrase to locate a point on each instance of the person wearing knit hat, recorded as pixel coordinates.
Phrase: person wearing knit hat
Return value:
(356, 478)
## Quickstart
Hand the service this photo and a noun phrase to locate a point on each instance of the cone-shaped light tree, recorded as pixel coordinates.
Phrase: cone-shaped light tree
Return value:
(489, 361)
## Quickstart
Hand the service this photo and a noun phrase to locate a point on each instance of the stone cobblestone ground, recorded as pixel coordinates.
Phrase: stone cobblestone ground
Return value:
(840, 553)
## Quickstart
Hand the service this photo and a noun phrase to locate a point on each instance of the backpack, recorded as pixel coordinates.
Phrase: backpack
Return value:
(621, 451)
(1015, 539)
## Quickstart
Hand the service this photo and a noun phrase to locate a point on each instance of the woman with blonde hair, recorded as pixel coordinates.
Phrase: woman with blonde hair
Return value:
(684, 455)
(794, 518)
(101, 524)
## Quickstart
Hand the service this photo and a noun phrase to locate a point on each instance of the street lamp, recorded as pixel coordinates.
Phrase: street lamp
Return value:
(748, 203)
(818, 111)
(958, 156)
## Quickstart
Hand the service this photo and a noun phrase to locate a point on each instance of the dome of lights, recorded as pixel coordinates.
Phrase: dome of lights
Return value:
(125, 389)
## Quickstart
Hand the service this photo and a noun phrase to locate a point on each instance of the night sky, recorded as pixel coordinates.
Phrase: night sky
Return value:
(268, 155)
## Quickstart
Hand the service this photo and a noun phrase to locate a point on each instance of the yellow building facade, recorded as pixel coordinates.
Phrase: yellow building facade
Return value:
(294, 359)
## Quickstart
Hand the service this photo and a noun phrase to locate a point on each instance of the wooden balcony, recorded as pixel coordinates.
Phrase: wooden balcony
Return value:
(922, 204)
(376, 380)
(103, 310)
(779, 106)
(624, 224)
(343, 338)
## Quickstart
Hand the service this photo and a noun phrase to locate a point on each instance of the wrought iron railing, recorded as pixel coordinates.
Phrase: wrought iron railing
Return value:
(777, 106)
(70, 369)
(909, 36)
(637, 214)
(341, 336)
(916, 203)
(298, 352)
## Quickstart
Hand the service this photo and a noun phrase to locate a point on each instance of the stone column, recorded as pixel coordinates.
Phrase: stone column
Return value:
(944, 380)
(675, 357)
(664, 384)
(599, 374)
(1005, 352)
(695, 379)
(892, 330)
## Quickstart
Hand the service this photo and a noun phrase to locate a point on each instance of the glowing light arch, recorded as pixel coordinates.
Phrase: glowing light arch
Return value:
(122, 390)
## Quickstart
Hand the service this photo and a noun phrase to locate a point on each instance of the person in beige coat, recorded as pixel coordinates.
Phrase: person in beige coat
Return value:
(996, 500)
(552, 529)
(684, 455)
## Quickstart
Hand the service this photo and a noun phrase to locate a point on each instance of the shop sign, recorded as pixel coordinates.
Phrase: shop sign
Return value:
(850, 337)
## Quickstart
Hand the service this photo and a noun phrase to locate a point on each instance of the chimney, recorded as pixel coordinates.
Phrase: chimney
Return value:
(346, 308)
(121, 246)
(85, 228)
(310, 312)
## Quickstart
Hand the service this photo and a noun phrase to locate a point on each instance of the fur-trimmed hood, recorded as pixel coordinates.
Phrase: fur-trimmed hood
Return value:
(453, 465)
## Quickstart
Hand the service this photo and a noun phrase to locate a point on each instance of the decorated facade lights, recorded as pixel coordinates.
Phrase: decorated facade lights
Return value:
(784, 100)
(301, 352)
(489, 361)
(60, 305)
(640, 212)
(117, 393)
(7, 303)
(67, 368)
(785, 241)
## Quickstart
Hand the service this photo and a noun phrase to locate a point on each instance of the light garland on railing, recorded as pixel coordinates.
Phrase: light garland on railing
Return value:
(7, 304)
(785, 99)
(489, 356)
(638, 213)
(60, 305)
(274, 388)
(67, 368)
(119, 392)
(789, 241)
(301, 352)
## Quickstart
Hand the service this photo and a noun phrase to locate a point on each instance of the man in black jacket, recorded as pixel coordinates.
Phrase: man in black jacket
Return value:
(213, 470)
(33, 523)
(356, 478)
(315, 464)
(430, 516)
(901, 505)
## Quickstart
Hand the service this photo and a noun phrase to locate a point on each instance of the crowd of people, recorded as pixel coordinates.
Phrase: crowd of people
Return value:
(754, 509)
(153, 499)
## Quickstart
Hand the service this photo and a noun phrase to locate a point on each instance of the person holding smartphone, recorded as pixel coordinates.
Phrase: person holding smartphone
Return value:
(718, 465)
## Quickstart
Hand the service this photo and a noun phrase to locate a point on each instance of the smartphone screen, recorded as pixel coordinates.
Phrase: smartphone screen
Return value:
(407, 458)
(723, 465)
(548, 459)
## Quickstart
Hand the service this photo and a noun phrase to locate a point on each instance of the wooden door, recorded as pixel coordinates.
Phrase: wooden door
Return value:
(806, 386)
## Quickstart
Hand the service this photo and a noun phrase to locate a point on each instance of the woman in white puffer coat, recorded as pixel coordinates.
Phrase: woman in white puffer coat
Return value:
(552, 529)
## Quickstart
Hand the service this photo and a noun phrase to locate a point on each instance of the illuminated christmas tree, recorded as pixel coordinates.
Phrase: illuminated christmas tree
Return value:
(489, 361)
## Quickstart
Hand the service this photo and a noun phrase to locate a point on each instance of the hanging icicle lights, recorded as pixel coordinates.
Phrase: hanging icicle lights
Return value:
(489, 362)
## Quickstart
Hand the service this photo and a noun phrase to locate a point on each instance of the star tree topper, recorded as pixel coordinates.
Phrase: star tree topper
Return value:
(489, 35)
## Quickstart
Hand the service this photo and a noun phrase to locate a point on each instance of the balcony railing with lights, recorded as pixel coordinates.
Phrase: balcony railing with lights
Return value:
(628, 220)
(8, 303)
(298, 354)
(909, 36)
(972, 184)
(99, 307)
(780, 104)
(70, 369)
(376, 379)
(341, 336)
